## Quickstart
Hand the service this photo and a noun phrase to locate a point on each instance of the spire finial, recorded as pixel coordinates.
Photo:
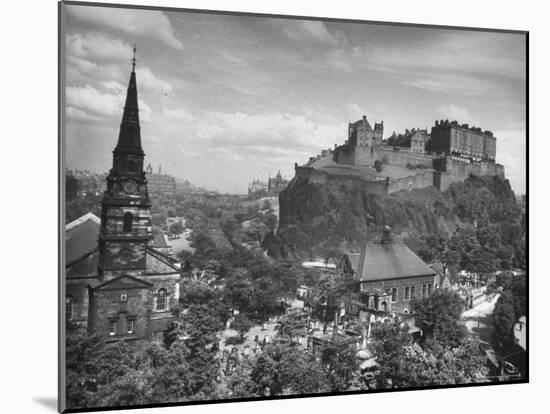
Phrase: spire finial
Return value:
(134, 60)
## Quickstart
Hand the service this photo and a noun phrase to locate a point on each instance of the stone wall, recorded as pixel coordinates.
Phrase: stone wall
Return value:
(419, 179)
(399, 157)
(106, 305)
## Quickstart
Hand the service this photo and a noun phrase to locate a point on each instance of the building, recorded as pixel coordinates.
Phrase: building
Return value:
(276, 185)
(361, 133)
(160, 185)
(451, 138)
(257, 189)
(390, 275)
(117, 285)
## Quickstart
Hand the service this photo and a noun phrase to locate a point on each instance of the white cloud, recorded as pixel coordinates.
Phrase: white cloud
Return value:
(315, 30)
(146, 79)
(293, 135)
(88, 101)
(93, 46)
(179, 114)
(143, 23)
(453, 112)
(113, 86)
(511, 152)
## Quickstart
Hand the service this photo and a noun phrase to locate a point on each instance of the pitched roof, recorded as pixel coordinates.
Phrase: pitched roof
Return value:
(390, 261)
(123, 282)
(81, 236)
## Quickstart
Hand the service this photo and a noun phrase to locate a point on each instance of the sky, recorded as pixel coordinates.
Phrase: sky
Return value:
(227, 99)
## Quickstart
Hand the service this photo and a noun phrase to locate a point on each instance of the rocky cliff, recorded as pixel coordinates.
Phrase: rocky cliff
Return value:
(342, 214)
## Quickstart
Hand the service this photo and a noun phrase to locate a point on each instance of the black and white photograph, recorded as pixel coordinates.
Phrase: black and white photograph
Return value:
(261, 206)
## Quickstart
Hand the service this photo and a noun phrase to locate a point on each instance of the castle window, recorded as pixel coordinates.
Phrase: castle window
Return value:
(161, 300)
(127, 226)
(394, 294)
(69, 307)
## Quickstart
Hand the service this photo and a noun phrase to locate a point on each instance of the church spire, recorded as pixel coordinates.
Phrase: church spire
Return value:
(129, 138)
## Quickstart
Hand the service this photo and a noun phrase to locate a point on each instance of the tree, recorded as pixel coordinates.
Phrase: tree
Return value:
(241, 324)
(438, 315)
(280, 368)
(177, 227)
(403, 363)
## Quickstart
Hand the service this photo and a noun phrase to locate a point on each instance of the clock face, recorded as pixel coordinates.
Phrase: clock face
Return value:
(129, 187)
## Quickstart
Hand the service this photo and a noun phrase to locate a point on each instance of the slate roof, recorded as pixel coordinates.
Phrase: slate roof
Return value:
(390, 261)
(81, 236)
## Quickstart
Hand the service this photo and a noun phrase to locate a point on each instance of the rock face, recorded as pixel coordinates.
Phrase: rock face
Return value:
(341, 213)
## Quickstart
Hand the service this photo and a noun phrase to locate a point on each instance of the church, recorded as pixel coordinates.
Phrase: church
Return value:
(117, 285)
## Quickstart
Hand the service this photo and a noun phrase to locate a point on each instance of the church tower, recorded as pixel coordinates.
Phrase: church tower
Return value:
(125, 211)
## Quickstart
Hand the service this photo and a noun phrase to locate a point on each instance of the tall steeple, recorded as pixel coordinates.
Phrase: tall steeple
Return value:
(129, 137)
(126, 216)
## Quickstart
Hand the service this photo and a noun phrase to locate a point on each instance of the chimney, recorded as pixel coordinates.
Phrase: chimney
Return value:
(386, 235)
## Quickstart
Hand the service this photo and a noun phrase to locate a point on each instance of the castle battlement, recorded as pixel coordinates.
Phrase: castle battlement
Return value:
(415, 159)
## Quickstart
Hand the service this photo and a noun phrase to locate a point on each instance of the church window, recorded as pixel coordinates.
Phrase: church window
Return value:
(407, 293)
(127, 226)
(424, 289)
(161, 300)
(69, 307)
(394, 294)
(413, 291)
(130, 326)
(429, 288)
(112, 327)
(124, 297)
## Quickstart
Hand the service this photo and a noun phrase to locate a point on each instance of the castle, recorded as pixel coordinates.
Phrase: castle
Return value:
(117, 285)
(416, 159)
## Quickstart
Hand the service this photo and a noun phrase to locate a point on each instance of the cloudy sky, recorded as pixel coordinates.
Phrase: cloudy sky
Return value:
(226, 99)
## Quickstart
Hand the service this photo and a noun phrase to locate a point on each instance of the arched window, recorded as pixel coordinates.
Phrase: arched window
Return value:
(384, 306)
(162, 300)
(127, 227)
(69, 307)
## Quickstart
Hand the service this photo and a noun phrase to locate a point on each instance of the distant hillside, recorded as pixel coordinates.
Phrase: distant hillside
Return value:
(342, 214)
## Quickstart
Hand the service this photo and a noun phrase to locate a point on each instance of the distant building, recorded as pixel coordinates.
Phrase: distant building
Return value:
(257, 189)
(160, 185)
(276, 185)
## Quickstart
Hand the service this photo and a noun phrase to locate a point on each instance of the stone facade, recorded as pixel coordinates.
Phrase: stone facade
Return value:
(399, 292)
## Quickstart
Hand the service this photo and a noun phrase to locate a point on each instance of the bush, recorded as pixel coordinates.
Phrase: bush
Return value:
(234, 340)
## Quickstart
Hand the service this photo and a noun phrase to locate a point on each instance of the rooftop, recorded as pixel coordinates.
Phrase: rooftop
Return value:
(390, 261)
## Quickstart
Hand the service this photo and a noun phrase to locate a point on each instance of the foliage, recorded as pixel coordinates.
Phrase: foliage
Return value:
(438, 315)
(235, 340)
(280, 368)
(403, 363)
(510, 306)
(177, 227)
(241, 324)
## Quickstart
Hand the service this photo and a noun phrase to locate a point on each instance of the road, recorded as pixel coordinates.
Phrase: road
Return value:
(479, 320)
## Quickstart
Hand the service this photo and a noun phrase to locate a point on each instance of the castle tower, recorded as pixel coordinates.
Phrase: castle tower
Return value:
(125, 211)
